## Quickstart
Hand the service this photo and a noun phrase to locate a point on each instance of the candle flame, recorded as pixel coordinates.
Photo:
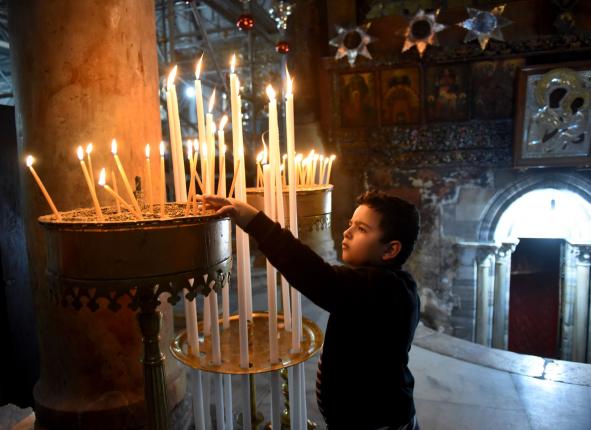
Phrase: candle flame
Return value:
(196, 145)
(29, 160)
(223, 122)
(284, 156)
(233, 63)
(270, 93)
(198, 68)
(114, 146)
(102, 177)
(316, 156)
(333, 157)
(289, 83)
(80, 153)
(224, 147)
(148, 151)
(162, 149)
(171, 76)
(211, 101)
(298, 157)
(259, 157)
(265, 155)
(189, 150)
(89, 148)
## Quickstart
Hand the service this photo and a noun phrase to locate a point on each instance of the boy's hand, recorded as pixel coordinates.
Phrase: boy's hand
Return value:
(242, 213)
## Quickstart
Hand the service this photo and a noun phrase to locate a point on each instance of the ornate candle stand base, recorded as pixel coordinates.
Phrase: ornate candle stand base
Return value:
(312, 339)
(92, 264)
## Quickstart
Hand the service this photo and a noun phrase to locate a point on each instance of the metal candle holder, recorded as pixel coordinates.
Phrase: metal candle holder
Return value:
(92, 264)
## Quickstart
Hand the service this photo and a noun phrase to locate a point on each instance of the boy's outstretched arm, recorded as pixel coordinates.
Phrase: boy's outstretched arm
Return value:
(324, 284)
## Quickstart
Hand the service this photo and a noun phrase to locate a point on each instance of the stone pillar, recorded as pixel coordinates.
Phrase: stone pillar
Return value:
(463, 315)
(485, 282)
(84, 71)
(567, 305)
(581, 308)
(500, 328)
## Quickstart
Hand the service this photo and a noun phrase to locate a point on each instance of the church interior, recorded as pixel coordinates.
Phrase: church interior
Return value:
(118, 115)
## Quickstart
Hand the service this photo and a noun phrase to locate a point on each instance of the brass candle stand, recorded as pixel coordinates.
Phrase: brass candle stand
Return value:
(259, 361)
(92, 264)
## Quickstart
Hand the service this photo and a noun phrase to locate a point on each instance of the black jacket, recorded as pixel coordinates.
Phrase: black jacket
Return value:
(364, 381)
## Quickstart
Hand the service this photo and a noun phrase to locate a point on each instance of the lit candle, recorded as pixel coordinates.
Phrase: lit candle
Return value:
(283, 171)
(298, 172)
(162, 181)
(222, 157)
(243, 267)
(124, 177)
(332, 158)
(172, 132)
(236, 169)
(90, 171)
(116, 189)
(199, 102)
(309, 166)
(29, 163)
(149, 178)
(97, 206)
(180, 154)
(192, 176)
(103, 183)
(321, 170)
(210, 135)
(204, 166)
(269, 208)
(314, 168)
(196, 149)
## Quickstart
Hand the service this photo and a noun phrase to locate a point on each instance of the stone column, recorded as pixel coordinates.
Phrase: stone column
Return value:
(464, 289)
(500, 326)
(485, 282)
(84, 71)
(581, 308)
(569, 286)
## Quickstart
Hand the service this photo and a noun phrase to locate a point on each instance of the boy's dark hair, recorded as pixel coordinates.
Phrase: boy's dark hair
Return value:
(400, 221)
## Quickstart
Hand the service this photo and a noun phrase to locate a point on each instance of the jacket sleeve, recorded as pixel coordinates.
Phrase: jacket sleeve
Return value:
(326, 285)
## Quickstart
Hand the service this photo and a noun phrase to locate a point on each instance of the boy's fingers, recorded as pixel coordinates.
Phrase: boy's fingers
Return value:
(226, 210)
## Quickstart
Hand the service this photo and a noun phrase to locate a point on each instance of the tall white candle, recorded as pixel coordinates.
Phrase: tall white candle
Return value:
(332, 158)
(199, 103)
(179, 143)
(210, 135)
(162, 181)
(149, 179)
(241, 237)
(29, 163)
(173, 134)
(97, 206)
(90, 171)
(215, 328)
(222, 192)
(296, 311)
(269, 207)
(124, 177)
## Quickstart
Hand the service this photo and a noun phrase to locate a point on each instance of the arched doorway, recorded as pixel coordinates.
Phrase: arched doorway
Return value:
(554, 212)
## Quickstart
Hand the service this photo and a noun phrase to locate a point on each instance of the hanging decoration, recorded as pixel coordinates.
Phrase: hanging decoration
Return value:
(280, 12)
(352, 42)
(245, 21)
(282, 47)
(484, 25)
(422, 31)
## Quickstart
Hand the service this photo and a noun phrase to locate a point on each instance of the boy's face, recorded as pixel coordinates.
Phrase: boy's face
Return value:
(362, 243)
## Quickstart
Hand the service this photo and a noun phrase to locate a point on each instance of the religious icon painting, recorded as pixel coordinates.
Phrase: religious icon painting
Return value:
(553, 115)
(493, 88)
(447, 93)
(358, 101)
(400, 98)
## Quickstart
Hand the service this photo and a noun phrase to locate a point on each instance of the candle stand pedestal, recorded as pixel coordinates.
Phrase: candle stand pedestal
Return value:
(312, 340)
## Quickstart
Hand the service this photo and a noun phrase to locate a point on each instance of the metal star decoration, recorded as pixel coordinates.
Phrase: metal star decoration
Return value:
(484, 25)
(352, 42)
(422, 31)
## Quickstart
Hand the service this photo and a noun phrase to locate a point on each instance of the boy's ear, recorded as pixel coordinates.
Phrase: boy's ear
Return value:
(392, 249)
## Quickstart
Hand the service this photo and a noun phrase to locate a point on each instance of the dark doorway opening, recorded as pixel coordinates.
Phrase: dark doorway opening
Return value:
(534, 297)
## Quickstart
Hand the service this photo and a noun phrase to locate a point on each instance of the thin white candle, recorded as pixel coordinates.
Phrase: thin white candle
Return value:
(103, 183)
(116, 189)
(29, 161)
(332, 158)
(222, 157)
(172, 132)
(179, 143)
(215, 328)
(210, 136)
(89, 159)
(95, 202)
(162, 181)
(124, 177)
(149, 179)
(269, 207)
(199, 103)
(243, 261)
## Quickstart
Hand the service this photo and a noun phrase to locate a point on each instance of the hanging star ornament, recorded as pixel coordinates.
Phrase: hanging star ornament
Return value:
(484, 25)
(422, 31)
(352, 42)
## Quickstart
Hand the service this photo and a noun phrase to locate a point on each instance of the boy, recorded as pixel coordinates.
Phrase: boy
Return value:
(363, 380)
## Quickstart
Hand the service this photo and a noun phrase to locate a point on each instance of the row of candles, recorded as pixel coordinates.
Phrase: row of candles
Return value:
(315, 169)
(299, 172)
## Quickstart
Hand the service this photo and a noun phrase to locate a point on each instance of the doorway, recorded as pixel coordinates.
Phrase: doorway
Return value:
(534, 298)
